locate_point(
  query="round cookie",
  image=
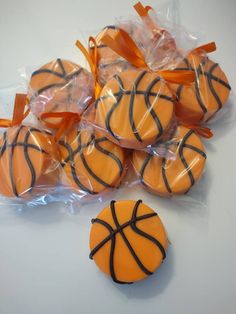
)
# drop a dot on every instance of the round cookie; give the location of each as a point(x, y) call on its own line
point(128, 241)
point(29, 162)
point(91, 162)
point(60, 86)
point(166, 177)
point(135, 109)
point(201, 100)
point(109, 62)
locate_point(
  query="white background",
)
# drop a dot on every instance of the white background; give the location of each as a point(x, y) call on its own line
point(44, 265)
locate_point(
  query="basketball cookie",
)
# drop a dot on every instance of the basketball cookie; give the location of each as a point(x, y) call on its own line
point(166, 176)
point(60, 86)
point(29, 162)
point(110, 63)
point(91, 162)
point(128, 241)
point(135, 109)
point(200, 101)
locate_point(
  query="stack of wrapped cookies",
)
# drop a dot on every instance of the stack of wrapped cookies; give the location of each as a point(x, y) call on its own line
point(144, 105)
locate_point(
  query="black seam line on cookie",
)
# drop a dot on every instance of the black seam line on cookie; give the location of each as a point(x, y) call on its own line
point(131, 105)
point(43, 89)
point(214, 93)
point(144, 165)
point(114, 106)
point(28, 160)
point(150, 109)
point(129, 246)
point(90, 171)
point(14, 189)
point(112, 251)
point(163, 172)
point(183, 160)
point(69, 150)
point(197, 90)
point(59, 62)
point(178, 92)
point(3, 147)
point(189, 67)
point(215, 78)
point(72, 153)
point(107, 65)
point(35, 147)
point(111, 155)
point(144, 234)
point(196, 149)
point(126, 224)
point(42, 71)
point(87, 167)
point(70, 76)
point(79, 184)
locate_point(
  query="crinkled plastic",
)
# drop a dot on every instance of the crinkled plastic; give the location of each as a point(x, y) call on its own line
point(160, 39)
point(60, 86)
point(207, 95)
point(92, 165)
point(141, 130)
point(135, 109)
point(167, 177)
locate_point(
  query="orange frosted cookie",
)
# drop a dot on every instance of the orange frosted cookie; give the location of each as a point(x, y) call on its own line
point(91, 162)
point(207, 95)
point(135, 109)
point(128, 241)
point(28, 162)
point(166, 176)
point(109, 62)
point(59, 86)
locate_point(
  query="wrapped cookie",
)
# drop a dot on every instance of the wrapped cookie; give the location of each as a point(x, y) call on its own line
point(60, 86)
point(91, 163)
point(208, 94)
point(172, 176)
point(29, 160)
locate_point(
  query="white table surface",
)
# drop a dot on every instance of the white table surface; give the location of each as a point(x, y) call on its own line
point(44, 264)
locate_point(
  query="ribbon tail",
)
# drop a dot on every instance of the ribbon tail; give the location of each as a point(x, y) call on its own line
point(207, 48)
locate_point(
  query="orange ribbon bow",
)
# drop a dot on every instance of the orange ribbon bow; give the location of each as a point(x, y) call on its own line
point(19, 113)
point(124, 46)
point(66, 122)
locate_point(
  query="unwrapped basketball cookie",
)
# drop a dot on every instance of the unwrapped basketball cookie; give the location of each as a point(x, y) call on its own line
point(135, 109)
point(167, 177)
point(128, 241)
point(29, 162)
point(91, 163)
point(60, 86)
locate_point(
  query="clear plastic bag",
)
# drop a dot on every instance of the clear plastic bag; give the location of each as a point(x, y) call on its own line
point(156, 34)
point(60, 86)
point(166, 176)
point(206, 96)
point(92, 165)
point(29, 160)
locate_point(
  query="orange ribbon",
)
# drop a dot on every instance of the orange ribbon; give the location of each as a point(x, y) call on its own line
point(68, 120)
point(143, 13)
point(207, 48)
point(200, 130)
point(92, 58)
point(19, 113)
point(124, 46)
